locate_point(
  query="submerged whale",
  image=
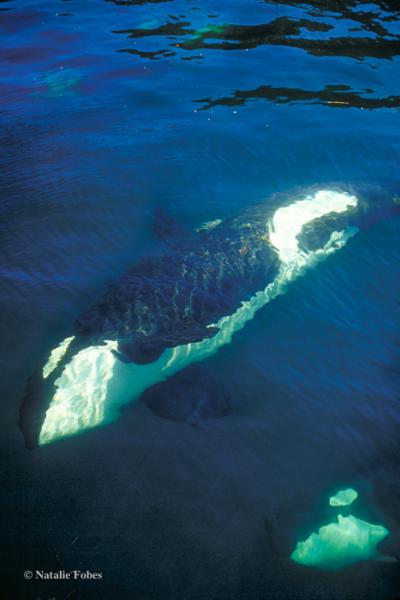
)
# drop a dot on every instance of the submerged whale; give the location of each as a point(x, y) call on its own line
point(179, 307)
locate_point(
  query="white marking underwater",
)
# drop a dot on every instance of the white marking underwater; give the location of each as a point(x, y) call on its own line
point(344, 541)
point(288, 221)
point(95, 384)
point(208, 225)
point(341, 544)
point(56, 355)
point(343, 497)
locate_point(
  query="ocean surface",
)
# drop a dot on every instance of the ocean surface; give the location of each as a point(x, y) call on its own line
point(110, 110)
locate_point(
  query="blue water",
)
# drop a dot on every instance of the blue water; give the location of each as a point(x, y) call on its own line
point(110, 109)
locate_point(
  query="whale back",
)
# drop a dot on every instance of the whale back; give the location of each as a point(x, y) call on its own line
point(175, 297)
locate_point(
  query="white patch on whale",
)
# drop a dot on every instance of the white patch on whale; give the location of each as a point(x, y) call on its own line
point(288, 221)
point(95, 384)
point(56, 355)
point(208, 225)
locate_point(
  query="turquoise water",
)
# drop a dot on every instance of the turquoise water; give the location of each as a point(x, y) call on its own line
point(111, 109)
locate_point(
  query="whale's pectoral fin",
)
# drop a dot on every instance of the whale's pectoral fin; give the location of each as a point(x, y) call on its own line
point(190, 396)
point(167, 229)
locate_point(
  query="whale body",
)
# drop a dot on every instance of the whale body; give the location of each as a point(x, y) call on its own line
point(171, 310)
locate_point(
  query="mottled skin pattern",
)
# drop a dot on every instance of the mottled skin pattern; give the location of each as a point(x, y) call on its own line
point(170, 300)
point(167, 300)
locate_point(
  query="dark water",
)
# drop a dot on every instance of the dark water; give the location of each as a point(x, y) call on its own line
point(110, 109)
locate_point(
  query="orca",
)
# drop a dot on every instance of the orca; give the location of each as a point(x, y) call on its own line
point(180, 306)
